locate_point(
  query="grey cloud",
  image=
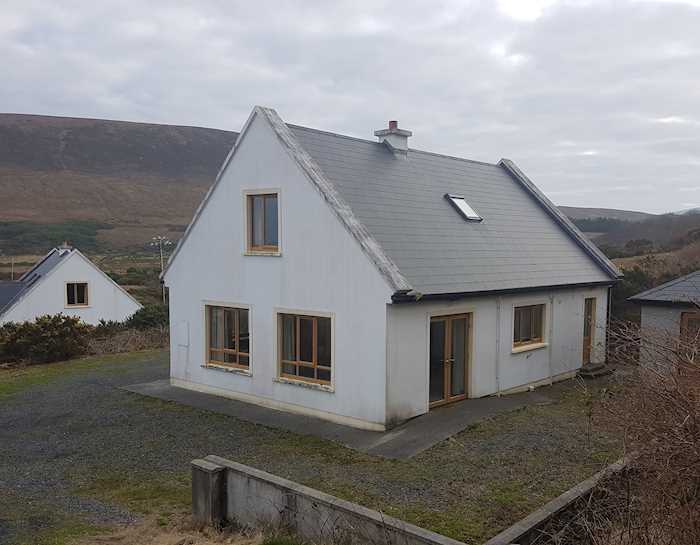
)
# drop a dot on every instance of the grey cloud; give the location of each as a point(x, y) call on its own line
point(465, 77)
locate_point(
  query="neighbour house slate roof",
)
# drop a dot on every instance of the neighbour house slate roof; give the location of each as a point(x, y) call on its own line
point(396, 208)
point(684, 290)
point(11, 291)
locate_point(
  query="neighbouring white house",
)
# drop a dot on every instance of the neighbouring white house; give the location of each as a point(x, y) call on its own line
point(669, 312)
point(66, 282)
point(366, 282)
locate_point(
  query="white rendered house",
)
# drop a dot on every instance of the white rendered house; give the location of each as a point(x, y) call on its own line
point(66, 282)
point(365, 282)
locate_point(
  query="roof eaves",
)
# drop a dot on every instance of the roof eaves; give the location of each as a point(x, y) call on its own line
point(566, 224)
point(644, 295)
point(313, 171)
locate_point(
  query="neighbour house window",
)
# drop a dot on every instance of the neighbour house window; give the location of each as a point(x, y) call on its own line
point(305, 348)
point(528, 325)
point(229, 336)
point(263, 233)
point(76, 294)
point(690, 326)
point(463, 207)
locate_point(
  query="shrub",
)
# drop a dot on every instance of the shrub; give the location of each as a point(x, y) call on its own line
point(148, 317)
point(46, 339)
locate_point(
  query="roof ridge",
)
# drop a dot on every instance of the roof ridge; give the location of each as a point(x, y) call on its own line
point(665, 285)
point(366, 140)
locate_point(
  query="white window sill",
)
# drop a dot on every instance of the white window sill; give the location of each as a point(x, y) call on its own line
point(77, 306)
point(311, 385)
point(528, 347)
point(267, 254)
point(225, 369)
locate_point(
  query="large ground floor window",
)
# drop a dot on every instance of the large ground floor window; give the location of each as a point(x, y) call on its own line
point(305, 347)
point(228, 336)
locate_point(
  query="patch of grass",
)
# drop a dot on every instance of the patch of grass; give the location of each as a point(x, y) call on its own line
point(282, 540)
point(158, 494)
point(18, 379)
point(34, 523)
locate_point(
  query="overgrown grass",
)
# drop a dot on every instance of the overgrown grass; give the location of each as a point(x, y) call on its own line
point(147, 494)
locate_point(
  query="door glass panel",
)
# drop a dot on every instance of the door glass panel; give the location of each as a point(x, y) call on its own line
point(459, 357)
point(437, 360)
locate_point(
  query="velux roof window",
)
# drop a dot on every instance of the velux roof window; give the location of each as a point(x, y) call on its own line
point(463, 207)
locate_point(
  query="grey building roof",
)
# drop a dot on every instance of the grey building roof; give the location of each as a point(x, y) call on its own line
point(12, 291)
point(683, 290)
point(395, 207)
point(522, 241)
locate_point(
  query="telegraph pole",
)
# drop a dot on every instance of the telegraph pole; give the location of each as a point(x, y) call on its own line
point(161, 242)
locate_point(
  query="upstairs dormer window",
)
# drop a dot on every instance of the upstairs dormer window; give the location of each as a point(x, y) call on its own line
point(263, 223)
point(463, 207)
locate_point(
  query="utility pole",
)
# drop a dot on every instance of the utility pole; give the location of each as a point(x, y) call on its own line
point(160, 242)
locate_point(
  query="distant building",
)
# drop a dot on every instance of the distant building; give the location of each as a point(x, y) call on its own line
point(669, 311)
point(66, 282)
point(366, 282)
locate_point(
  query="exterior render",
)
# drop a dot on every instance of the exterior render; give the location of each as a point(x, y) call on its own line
point(366, 282)
point(66, 282)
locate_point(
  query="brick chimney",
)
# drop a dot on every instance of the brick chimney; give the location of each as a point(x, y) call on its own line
point(394, 138)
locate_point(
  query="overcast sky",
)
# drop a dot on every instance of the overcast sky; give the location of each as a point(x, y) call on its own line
point(598, 101)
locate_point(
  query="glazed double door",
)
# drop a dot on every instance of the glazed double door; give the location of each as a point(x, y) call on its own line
point(449, 358)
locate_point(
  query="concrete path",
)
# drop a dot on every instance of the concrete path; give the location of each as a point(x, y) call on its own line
point(404, 441)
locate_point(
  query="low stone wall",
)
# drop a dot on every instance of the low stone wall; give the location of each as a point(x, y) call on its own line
point(223, 490)
point(226, 490)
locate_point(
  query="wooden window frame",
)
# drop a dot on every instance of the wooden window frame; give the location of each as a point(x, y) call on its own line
point(534, 340)
point(686, 316)
point(207, 344)
point(260, 249)
point(299, 362)
point(75, 284)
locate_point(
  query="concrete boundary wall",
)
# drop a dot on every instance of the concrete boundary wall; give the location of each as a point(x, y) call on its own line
point(223, 490)
point(529, 528)
point(226, 490)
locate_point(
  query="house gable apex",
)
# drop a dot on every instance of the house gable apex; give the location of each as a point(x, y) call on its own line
point(314, 174)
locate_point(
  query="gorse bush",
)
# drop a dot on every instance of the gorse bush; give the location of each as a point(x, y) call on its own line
point(59, 337)
point(46, 339)
point(149, 316)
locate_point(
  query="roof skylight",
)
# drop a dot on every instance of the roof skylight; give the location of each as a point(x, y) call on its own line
point(463, 207)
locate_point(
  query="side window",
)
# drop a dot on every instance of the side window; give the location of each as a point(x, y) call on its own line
point(528, 325)
point(228, 336)
point(77, 294)
point(263, 228)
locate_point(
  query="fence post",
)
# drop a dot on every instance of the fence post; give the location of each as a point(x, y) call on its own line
point(208, 493)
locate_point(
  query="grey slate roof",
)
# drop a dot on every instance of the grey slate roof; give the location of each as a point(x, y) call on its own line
point(12, 291)
point(518, 245)
point(685, 289)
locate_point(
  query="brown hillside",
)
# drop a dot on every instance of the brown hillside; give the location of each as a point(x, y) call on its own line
point(141, 178)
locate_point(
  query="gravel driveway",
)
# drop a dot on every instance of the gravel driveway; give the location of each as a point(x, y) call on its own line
point(73, 444)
